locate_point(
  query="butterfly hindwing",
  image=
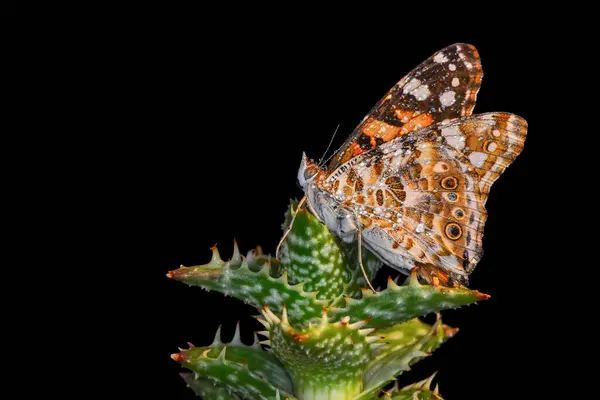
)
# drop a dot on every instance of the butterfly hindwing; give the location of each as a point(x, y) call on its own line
point(490, 141)
point(418, 204)
point(443, 87)
point(421, 197)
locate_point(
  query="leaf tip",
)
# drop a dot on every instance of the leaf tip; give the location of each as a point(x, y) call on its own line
point(449, 331)
point(482, 296)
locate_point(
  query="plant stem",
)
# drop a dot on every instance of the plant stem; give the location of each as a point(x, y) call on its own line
point(339, 391)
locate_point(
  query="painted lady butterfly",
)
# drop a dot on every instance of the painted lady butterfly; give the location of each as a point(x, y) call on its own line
point(412, 180)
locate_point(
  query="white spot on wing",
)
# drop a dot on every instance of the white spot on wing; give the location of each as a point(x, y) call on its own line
point(421, 93)
point(496, 132)
point(440, 167)
point(492, 146)
point(440, 58)
point(454, 137)
point(448, 98)
point(452, 67)
point(410, 86)
point(477, 158)
point(455, 82)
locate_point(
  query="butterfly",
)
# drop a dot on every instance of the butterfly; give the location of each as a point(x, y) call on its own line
point(411, 181)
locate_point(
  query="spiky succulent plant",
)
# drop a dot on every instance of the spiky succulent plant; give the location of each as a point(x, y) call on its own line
point(327, 337)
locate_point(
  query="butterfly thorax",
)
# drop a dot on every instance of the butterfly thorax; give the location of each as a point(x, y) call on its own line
point(331, 209)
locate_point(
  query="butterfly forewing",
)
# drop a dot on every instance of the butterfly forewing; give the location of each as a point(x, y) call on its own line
point(443, 87)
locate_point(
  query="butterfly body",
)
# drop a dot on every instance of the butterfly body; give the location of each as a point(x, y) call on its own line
point(414, 176)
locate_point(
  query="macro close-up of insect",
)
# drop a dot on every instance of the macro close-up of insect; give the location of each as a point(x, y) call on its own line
point(412, 180)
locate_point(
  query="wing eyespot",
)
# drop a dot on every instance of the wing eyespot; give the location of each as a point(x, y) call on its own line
point(453, 231)
point(449, 182)
point(451, 196)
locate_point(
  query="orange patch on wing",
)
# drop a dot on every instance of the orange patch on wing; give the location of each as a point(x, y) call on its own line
point(420, 121)
point(356, 150)
point(365, 221)
point(403, 115)
point(379, 129)
point(385, 224)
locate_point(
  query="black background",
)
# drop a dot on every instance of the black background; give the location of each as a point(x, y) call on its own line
point(206, 130)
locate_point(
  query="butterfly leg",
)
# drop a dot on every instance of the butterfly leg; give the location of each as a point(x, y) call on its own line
point(289, 229)
point(314, 212)
point(362, 267)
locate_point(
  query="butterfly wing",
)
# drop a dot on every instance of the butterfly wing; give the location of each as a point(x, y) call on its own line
point(490, 141)
point(420, 198)
point(443, 87)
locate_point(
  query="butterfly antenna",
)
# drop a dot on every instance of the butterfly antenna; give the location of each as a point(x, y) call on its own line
point(289, 229)
point(362, 267)
point(329, 146)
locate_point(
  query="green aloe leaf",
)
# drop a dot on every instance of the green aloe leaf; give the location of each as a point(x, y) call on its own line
point(410, 332)
point(325, 359)
point(260, 362)
point(205, 388)
point(312, 254)
point(247, 371)
point(417, 391)
point(398, 304)
point(250, 281)
point(405, 344)
point(371, 263)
